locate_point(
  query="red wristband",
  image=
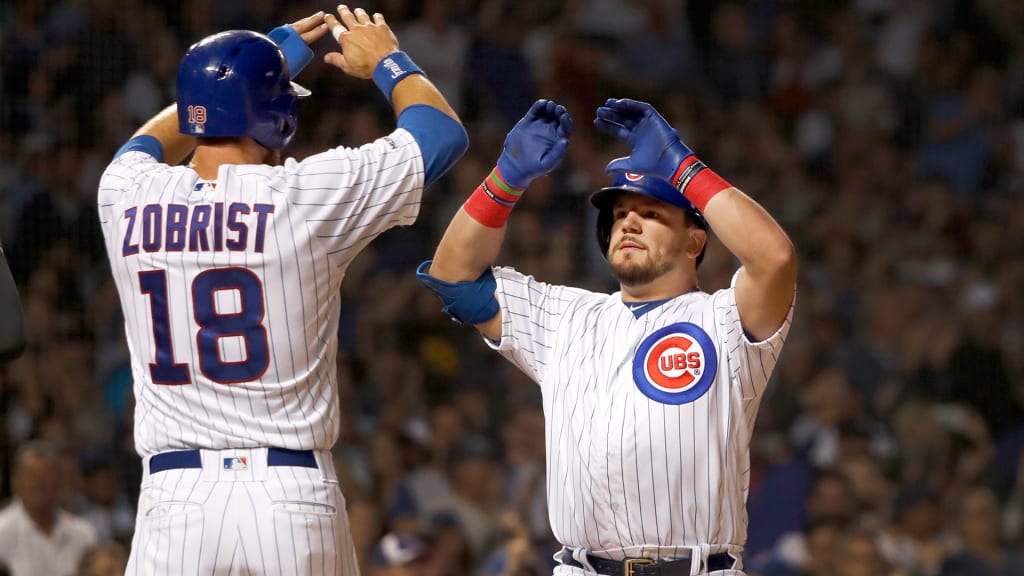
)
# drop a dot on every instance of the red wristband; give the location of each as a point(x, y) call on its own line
point(698, 182)
point(492, 201)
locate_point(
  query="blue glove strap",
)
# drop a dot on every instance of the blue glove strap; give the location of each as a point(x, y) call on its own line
point(392, 69)
point(509, 173)
point(296, 51)
point(676, 154)
point(466, 302)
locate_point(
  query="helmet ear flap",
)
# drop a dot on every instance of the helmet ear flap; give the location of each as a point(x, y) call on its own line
point(604, 230)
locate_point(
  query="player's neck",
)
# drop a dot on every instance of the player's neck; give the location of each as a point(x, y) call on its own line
point(664, 287)
point(212, 153)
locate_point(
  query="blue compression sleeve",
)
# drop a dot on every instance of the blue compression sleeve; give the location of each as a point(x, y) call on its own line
point(144, 143)
point(441, 138)
point(296, 51)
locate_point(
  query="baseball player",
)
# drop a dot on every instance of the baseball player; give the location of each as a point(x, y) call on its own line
point(228, 271)
point(12, 327)
point(649, 393)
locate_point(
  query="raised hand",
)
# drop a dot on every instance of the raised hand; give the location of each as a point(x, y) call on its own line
point(536, 144)
point(657, 149)
point(311, 28)
point(364, 42)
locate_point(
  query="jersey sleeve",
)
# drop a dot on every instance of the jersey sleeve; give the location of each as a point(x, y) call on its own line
point(120, 175)
point(348, 196)
point(751, 363)
point(531, 312)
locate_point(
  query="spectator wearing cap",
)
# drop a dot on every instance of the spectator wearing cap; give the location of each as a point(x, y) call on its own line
point(400, 554)
point(982, 549)
point(103, 503)
point(424, 490)
point(914, 541)
point(36, 537)
point(831, 502)
point(449, 547)
point(476, 493)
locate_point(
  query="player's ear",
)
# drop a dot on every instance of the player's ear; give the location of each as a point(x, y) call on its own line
point(696, 238)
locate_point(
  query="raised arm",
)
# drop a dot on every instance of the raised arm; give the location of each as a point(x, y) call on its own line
point(460, 271)
point(12, 325)
point(767, 280)
point(369, 49)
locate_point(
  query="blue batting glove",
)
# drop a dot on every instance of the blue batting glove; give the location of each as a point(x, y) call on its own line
point(536, 144)
point(657, 149)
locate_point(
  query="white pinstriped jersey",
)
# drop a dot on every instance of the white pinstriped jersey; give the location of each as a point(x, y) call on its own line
point(648, 415)
point(230, 289)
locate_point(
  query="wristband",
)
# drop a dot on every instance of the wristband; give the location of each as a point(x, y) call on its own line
point(391, 69)
point(697, 182)
point(492, 201)
point(296, 51)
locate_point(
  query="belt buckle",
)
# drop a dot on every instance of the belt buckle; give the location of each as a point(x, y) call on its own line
point(629, 564)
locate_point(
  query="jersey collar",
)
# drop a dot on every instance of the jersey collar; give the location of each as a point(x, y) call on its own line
point(640, 308)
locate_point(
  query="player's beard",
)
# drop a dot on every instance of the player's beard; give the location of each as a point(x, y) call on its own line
point(645, 267)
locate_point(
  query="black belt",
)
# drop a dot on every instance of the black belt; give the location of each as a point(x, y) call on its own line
point(192, 459)
point(648, 567)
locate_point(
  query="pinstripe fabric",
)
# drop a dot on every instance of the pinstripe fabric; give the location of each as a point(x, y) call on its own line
point(629, 476)
point(277, 521)
point(325, 210)
point(278, 241)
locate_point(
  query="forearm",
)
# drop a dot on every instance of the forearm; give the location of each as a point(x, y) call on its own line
point(418, 89)
point(751, 234)
point(765, 284)
point(466, 250)
point(164, 127)
point(12, 323)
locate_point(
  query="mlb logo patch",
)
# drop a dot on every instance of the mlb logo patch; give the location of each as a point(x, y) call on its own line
point(236, 463)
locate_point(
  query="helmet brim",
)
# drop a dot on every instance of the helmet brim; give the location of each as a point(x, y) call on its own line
point(301, 91)
point(604, 199)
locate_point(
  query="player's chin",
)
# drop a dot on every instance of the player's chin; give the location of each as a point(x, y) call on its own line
point(632, 272)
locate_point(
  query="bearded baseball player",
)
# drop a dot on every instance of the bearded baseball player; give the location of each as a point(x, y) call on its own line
point(650, 393)
point(228, 271)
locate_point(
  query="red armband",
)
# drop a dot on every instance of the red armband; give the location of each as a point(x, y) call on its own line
point(698, 182)
point(492, 201)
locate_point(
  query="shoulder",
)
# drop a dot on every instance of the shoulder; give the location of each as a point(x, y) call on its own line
point(513, 281)
point(129, 168)
point(79, 527)
point(9, 516)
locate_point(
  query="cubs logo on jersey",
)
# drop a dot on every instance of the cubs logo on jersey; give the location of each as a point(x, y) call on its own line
point(676, 364)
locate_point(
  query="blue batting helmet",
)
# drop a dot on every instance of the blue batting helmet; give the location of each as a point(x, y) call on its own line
point(604, 201)
point(236, 83)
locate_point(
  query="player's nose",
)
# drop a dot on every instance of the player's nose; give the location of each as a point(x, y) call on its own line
point(630, 222)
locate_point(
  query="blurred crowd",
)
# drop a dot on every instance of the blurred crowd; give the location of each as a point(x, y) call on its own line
point(886, 136)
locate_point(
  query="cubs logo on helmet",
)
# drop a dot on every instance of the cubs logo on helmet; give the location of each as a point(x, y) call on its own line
point(676, 364)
